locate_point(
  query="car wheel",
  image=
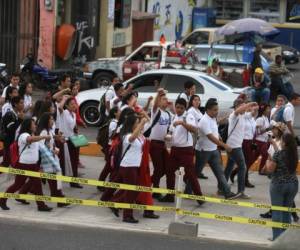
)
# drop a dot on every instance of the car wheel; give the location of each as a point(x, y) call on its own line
point(89, 112)
point(102, 79)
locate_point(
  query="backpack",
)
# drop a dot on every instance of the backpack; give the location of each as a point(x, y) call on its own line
point(102, 136)
point(279, 116)
point(102, 110)
point(14, 153)
point(147, 133)
point(116, 151)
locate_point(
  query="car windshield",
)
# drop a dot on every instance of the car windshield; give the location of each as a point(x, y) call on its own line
point(224, 86)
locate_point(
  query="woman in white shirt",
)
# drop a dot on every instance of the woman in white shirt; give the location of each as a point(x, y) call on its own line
point(68, 128)
point(261, 137)
point(26, 92)
point(45, 128)
point(281, 101)
point(133, 141)
point(28, 160)
point(10, 93)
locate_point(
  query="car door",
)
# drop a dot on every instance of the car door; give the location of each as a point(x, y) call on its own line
point(174, 84)
point(146, 58)
point(146, 85)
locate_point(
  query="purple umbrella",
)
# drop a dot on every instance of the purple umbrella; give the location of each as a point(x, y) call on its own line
point(248, 25)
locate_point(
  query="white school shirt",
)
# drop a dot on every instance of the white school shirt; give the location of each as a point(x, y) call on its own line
point(109, 95)
point(111, 129)
point(30, 155)
point(196, 113)
point(160, 129)
point(44, 132)
point(67, 123)
point(236, 130)
point(250, 126)
point(207, 126)
point(289, 113)
point(133, 156)
point(27, 102)
point(185, 97)
point(181, 137)
point(264, 123)
point(113, 104)
point(6, 108)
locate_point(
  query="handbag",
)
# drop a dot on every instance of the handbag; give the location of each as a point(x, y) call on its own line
point(79, 141)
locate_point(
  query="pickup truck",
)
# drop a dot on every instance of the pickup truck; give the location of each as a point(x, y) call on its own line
point(210, 36)
point(150, 55)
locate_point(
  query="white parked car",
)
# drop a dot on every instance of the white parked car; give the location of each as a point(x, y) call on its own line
point(170, 79)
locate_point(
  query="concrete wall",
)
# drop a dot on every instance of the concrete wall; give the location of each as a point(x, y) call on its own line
point(46, 50)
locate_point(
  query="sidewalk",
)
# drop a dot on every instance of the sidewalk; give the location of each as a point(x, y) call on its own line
point(102, 217)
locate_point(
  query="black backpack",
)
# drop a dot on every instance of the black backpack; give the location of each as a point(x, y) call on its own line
point(102, 136)
point(102, 110)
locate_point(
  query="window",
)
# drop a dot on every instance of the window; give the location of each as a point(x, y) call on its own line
point(175, 84)
point(265, 9)
point(147, 54)
point(122, 13)
point(197, 38)
point(229, 9)
point(221, 85)
point(293, 11)
point(147, 83)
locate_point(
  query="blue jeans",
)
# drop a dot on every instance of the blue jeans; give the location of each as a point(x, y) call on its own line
point(260, 95)
point(213, 158)
point(237, 157)
point(282, 195)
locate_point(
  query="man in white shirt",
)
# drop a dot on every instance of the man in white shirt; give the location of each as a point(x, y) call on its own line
point(182, 152)
point(207, 147)
point(236, 134)
point(160, 124)
point(289, 112)
point(14, 82)
point(189, 90)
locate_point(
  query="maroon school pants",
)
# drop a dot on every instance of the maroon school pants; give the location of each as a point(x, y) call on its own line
point(262, 149)
point(160, 157)
point(107, 168)
point(127, 175)
point(35, 184)
point(183, 157)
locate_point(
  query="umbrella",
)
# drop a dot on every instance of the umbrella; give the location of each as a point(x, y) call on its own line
point(248, 25)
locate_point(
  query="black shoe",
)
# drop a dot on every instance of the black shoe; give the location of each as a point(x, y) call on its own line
point(4, 207)
point(156, 196)
point(231, 196)
point(23, 202)
point(202, 176)
point(115, 211)
point(75, 185)
point(295, 217)
point(101, 189)
point(267, 215)
point(60, 205)
point(130, 220)
point(249, 185)
point(200, 203)
point(167, 198)
point(45, 209)
point(150, 215)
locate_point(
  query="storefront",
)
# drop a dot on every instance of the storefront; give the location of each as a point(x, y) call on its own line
point(284, 14)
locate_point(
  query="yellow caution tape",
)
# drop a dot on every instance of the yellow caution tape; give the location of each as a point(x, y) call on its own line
point(107, 204)
point(236, 219)
point(92, 182)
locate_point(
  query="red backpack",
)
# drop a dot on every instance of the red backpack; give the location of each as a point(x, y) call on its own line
point(14, 153)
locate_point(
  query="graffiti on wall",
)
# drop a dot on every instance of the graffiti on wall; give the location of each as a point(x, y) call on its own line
point(85, 40)
point(174, 17)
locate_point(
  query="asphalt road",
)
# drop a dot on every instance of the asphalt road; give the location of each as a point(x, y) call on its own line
point(31, 236)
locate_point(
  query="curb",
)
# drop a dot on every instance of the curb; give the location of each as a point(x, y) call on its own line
point(93, 149)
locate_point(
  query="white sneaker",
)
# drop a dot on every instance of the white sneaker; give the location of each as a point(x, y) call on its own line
point(244, 196)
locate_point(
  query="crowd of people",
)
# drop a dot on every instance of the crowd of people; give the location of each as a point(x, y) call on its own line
point(172, 134)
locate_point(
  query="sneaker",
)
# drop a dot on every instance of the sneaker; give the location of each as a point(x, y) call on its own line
point(232, 196)
point(245, 196)
point(130, 220)
point(267, 215)
point(156, 196)
point(167, 198)
point(249, 185)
